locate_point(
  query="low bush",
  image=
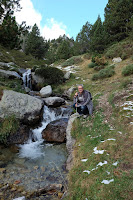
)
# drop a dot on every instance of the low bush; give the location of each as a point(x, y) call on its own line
point(125, 83)
point(71, 61)
point(104, 73)
point(100, 61)
point(121, 49)
point(92, 65)
point(8, 126)
point(51, 75)
point(128, 70)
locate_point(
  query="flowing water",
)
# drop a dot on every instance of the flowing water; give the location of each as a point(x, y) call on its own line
point(27, 79)
point(38, 163)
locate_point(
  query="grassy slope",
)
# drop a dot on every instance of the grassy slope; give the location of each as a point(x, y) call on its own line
point(106, 94)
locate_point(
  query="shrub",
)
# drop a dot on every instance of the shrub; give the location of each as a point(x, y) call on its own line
point(104, 73)
point(125, 83)
point(8, 126)
point(92, 65)
point(51, 75)
point(121, 49)
point(98, 68)
point(73, 60)
point(128, 70)
point(100, 61)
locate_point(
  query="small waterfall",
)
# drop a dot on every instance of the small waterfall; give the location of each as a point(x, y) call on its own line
point(27, 79)
point(32, 149)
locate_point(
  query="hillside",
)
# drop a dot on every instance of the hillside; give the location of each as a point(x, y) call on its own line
point(103, 149)
point(110, 130)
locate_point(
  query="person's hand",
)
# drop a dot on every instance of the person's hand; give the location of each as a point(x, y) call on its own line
point(76, 94)
point(76, 105)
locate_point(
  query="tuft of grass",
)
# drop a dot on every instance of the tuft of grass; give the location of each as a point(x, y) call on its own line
point(128, 70)
point(8, 126)
point(91, 65)
point(72, 61)
point(104, 73)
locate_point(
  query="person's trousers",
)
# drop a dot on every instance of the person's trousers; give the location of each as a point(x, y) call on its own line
point(81, 109)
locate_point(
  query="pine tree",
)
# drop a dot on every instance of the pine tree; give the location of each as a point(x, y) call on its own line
point(117, 18)
point(9, 33)
point(35, 44)
point(64, 50)
point(82, 44)
point(98, 36)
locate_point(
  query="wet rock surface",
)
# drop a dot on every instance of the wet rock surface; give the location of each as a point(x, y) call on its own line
point(56, 131)
point(54, 101)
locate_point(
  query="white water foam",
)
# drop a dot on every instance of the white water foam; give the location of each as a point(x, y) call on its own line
point(33, 148)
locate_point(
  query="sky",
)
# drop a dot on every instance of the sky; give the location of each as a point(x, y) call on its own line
point(59, 17)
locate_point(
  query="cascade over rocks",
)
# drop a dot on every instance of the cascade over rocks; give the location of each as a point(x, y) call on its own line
point(55, 131)
point(46, 91)
point(54, 101)
point(9, 74)
point(25, 107)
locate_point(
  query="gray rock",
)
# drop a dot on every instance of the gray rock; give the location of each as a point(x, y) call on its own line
point(70, 141)
point(21, 71)
point(117, 60)
point(54, 101)
point(20, 198)
point(55, 131)
point(37, 79)
point(26, 108)
point(9, 74)
point(69, 91)
point(46, 91)
point(67, 75)
point(21, 136)
point(10, 65)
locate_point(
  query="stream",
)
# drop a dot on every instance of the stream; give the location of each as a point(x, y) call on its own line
point(37, 164)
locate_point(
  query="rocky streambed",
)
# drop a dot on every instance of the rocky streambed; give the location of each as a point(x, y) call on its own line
point(36, 165)
point(33, 165)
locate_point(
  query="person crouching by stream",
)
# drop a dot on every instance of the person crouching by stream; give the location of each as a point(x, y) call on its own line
point(83, 102)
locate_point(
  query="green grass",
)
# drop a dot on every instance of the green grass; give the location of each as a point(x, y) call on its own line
point(128, 70)
point(19, 58)
point(8, 126)
point(11, 84)
point(89, 186)
point(72, 61)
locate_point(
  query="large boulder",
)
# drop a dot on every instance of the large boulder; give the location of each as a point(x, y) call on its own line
point(54, 101)
point(9, 74)
point(55, 131)
point(46, 91)
point(25, 107)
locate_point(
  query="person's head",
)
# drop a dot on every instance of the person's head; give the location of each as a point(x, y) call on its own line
point(80, 88)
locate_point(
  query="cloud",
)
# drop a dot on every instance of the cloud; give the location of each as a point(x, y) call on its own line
point(28, 14)
point(51, 30)
point(54, 29)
